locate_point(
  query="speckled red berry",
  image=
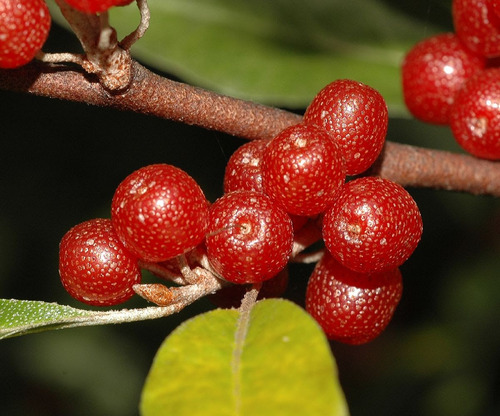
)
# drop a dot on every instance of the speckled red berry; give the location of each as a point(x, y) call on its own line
point(96, 6)
point(159, 212)
point(475, 115)
point(356, 116)
point(24, 28)
point(353, 308)
point(432, 73)
point(302, 169)
point(374, 225)
point(243, 170)
point(94, 266)
point(250, 238)
point(478, 26)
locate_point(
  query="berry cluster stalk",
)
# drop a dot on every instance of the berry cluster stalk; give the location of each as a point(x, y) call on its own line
point(154, 95)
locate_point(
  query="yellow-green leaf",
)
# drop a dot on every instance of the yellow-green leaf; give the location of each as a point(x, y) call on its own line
point(276, 362)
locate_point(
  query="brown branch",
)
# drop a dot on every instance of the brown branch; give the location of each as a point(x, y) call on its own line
point(154, 95)
point(419, 167)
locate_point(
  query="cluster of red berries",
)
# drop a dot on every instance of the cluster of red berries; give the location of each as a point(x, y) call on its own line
point(25, 26)
point(273, 189)
point(454, 79)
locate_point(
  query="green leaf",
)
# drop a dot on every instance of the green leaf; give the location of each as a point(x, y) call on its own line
point(21, 317)
point(275, 362)
point(279, 52)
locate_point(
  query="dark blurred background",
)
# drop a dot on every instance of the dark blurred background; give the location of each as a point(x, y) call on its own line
point(60, 163)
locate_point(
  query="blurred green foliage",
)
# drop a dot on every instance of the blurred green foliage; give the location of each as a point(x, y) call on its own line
point(278, 52)
point(60, 164)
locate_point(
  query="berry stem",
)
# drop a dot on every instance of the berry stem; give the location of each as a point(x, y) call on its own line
point(180, 296)
point(308, 258)
point(61, 57)
point(127, 42)
point(187, 273)
point(151, 94)
point(104, 56)
point(162, 272)
point(305, 237)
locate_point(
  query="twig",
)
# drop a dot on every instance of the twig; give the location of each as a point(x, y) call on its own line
point(152, 94)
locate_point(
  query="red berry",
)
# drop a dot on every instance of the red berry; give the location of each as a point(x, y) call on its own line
point(94, 266)
point(356, 116)
point(475, 116)
point(374, 225)
point(243, 170)
point(159, 212)
point(250, 238)
point(302, 169)
point(478, 26)
point(96, 6)
point(433, 71)
point(351, 307)
point(24, 28)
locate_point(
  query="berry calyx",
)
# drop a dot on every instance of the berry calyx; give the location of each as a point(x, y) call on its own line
point(159, 212)
point(24, 28)
point(302, 169)
point(356, 116)
point(249, 238)
point(478, 26)
point(374, 225)
point(96, 6)
point(432, 73)
point(353, 308)
point(94, 266)
point(475, 115)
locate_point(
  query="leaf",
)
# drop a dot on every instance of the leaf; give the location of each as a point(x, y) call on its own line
point(279, 52)
point(282, 365)
point(21, 317)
